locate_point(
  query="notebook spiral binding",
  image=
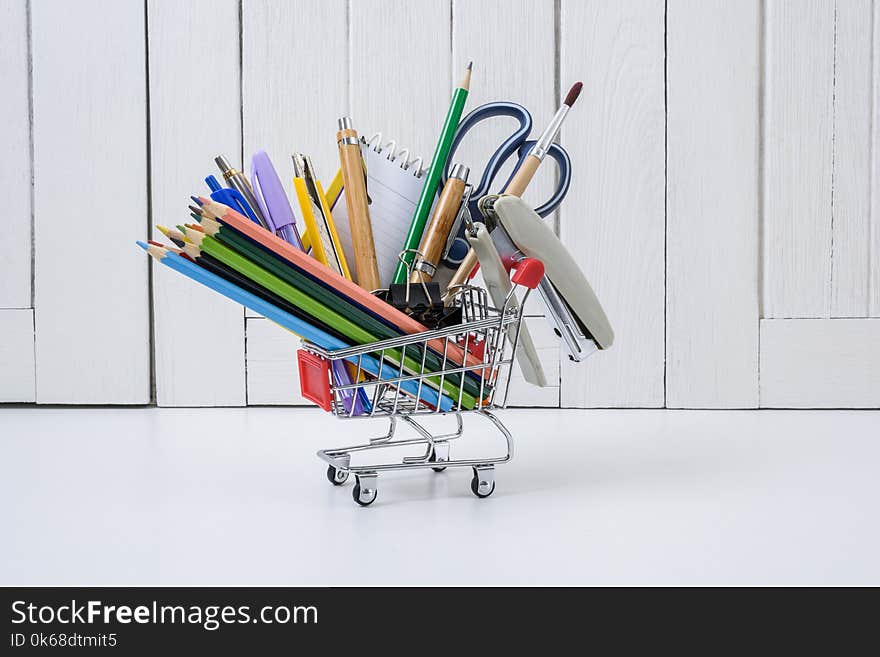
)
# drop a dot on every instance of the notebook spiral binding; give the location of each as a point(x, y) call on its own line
point(375, 142)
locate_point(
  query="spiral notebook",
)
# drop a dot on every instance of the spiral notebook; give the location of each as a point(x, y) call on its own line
point(394, 183)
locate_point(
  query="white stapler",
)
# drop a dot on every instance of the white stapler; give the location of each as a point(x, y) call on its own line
point(572, 306)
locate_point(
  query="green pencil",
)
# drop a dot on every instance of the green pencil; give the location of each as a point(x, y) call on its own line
point(432, 180)
point(316, 309)
point(245, 247)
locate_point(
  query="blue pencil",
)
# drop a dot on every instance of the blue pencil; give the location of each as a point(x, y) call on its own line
point(288, 321)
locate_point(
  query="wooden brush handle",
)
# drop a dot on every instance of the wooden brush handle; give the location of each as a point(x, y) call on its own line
point(438, 230)
point(523, 176)
point(367, 270)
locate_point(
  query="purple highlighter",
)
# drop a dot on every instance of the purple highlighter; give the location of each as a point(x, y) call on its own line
point(272, 199)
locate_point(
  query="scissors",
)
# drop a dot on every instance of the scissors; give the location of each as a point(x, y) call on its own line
point(518, 143)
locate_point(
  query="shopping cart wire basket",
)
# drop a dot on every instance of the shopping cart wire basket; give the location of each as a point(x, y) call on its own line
point(423, 374)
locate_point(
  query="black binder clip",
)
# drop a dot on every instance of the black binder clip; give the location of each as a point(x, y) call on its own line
point(422, 301)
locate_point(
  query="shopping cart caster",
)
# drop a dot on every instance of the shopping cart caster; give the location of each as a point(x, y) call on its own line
point(439, 454)
point(364, 492)
point(483, 483)
point(336, 476)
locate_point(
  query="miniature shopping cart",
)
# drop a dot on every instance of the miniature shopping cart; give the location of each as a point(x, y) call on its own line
point(464, 368)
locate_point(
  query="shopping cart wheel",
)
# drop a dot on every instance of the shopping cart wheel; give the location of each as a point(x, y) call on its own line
point(483, 483)
point(433, 459)
point(364, 492)
point(336, 476)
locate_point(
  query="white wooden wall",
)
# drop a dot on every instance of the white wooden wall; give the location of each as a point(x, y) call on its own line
point(725, 200)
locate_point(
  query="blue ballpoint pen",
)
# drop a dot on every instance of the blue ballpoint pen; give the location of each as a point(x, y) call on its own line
point(232, 198)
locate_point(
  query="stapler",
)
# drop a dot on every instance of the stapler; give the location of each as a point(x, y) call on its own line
point(572, 306)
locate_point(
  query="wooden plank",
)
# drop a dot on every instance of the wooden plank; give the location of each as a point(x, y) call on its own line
point(289, 49)
point(820, 363)
point(17, 355)
point(504, 70)
point(90, 179)
point(401, 79)
point(281, 113)
point(15, 165)
point(612, 220)
point(798, 127)
point(184, 139)
point(272, 374)
point(294, 82)
point(850, 253)
point(874, 285)
point(712, 211)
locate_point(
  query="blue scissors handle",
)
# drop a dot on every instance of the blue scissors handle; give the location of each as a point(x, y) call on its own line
point(516, 143)
point(503, 152)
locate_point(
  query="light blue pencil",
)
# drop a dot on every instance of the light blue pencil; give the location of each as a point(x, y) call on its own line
point(288, 321)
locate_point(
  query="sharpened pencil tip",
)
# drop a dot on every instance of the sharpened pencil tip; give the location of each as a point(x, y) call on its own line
point(573, 93)
point(466, 80)
point(143, 245)
point(196, 200)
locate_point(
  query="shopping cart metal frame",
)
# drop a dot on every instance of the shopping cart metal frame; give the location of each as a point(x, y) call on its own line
point(493, 331)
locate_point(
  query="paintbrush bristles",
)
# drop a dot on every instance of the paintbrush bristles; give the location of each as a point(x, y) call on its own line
point(573, 93)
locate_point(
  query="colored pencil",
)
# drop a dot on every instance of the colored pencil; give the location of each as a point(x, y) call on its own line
point(175, 236)
point(332, 281)
point(316, 309)
point(292, 323)
point(344, 375)
point(432, 178)
point(267, 260)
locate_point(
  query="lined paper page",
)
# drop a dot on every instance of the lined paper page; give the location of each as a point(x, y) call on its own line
point(394, 193)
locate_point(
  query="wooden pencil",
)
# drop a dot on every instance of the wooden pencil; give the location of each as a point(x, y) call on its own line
point(326, 315)
point(336, 283)
point(432, 177)
point(381, 329)
point(217, 267)
point(175, 236)
point(292, 323)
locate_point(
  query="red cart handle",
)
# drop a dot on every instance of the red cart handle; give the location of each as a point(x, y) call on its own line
point(529, 272)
